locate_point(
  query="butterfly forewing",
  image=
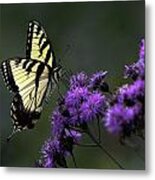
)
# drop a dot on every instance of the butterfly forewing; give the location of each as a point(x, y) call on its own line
point(38, 45)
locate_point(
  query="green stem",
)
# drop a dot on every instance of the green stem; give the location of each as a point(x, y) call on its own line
point(104, 150)
point(86, 130)
point(74, 161)
point(99, 130)
point(87, 145)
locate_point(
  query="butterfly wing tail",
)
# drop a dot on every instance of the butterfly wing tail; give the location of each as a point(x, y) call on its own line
point(22, 119)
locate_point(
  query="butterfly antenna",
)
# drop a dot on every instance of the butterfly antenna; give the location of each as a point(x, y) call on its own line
point(68, 71)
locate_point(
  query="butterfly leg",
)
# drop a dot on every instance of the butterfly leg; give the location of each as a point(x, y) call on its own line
point(59, 93)
point(58, 87)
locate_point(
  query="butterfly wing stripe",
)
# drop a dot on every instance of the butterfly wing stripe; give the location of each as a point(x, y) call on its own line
point(41, 39)
point(48, 55)
point(44, 46)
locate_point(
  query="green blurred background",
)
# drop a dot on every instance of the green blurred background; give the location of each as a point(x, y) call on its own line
point(98, 36)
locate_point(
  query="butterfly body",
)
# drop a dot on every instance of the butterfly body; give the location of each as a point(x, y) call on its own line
point(31, 79)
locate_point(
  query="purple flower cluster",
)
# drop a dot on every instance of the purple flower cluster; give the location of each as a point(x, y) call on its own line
point(122, 112)
point(126, 115)
point(80, 105)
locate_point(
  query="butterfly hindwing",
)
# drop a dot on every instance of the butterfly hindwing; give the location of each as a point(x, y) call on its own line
point(38, 44)
point(30, 81)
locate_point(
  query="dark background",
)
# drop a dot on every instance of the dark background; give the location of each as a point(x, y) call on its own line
point(98, 36)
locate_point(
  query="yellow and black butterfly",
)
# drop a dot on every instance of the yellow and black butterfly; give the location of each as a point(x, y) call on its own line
point(31, 79)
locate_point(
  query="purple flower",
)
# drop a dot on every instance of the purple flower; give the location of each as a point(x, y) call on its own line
point(127, 111)
point(97, 81)
point(130, 94)
point(137, 69)
point(69, 139)
point(76, 96)
point(74, 135)
point(54, 151)
point(142, 49)
point(74, 119)
point(52, 154)
point(78, 80)
point(93, 107)
point(58, 123)
point(83, 105)
point(78, 106)
point(119, 116)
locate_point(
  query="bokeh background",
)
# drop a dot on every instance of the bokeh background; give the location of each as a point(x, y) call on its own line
point(88, 36)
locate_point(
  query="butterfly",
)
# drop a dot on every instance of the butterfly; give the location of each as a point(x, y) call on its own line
point(31, 79)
